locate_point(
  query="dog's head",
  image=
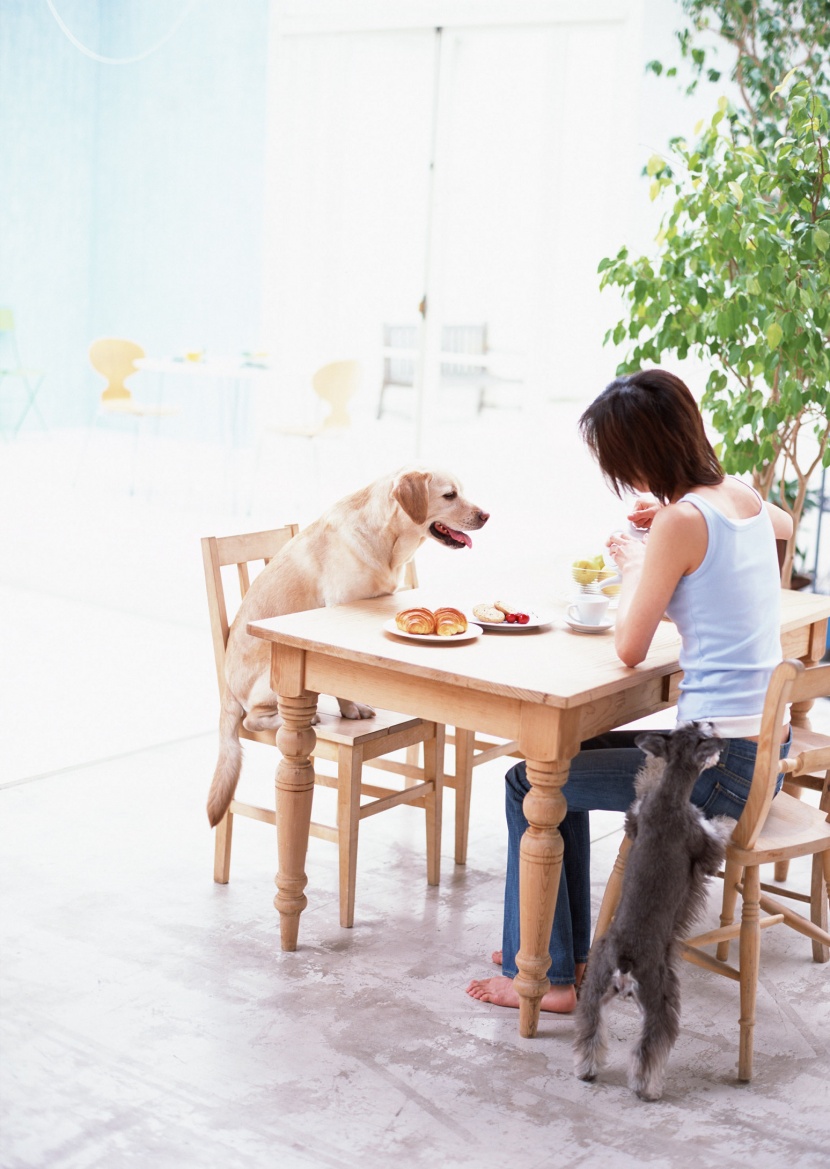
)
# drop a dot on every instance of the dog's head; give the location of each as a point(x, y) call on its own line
point(692, 747)
point(432, 499)
point(693, 741)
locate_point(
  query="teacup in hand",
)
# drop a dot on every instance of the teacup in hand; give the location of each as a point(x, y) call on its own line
point(589, 609)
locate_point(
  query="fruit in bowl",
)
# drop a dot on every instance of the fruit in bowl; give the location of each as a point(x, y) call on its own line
point(594, 571)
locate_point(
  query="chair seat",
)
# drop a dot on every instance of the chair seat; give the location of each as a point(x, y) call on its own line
point(804, 740)
point(137, 409)
point(348, 732)
point(792, 828)
point(21, 371)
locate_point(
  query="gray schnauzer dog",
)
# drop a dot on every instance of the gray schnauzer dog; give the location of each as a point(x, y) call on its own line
point(674, 852)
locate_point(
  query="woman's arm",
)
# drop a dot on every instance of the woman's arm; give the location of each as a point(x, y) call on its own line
point(650, 573)
point(782, 524)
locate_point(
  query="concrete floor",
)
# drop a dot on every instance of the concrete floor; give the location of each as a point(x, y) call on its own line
point(148, 1015)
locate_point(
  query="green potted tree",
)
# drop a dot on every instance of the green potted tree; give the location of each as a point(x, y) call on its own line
point(740, 275)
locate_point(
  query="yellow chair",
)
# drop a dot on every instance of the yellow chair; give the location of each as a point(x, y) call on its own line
point(12, 370)
point(769, 830)
point(350, 744)
point(114, 358)
point(335, 384)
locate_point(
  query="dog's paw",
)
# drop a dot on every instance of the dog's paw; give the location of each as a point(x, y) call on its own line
point(349, 709)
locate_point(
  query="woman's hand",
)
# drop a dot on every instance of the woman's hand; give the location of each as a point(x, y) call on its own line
point(643, 513)
point(626, 552)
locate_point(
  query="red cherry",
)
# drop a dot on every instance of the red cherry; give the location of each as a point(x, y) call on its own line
point(511, 618)
point(522, 618)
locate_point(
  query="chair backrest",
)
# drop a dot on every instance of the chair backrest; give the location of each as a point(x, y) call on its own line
point(241, 552)
point(114, 358)
point(399, 370)
point(470, 339)
point(790, 682)
point(335, 384)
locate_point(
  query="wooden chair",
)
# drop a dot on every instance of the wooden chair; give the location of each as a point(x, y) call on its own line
point(470, 751)
point(348, 743)
point(769, 830)
point(400, 344)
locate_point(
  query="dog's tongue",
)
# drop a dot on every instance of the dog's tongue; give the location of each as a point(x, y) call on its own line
point(462, 536)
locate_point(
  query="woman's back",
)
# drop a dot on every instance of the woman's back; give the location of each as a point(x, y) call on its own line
point(727, 611)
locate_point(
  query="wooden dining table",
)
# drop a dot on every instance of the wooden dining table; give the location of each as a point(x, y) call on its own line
point(546, 687)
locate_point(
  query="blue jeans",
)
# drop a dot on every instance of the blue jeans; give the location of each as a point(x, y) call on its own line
point(602, 778)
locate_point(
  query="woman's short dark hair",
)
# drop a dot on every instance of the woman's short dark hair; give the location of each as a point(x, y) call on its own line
point(645, 430)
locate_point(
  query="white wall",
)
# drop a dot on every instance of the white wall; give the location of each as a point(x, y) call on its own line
point(536, 174)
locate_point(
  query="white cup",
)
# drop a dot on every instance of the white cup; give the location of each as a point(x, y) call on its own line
point(589, 609)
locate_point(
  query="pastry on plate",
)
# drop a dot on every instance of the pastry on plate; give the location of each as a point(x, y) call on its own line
point(449, 621)
point(415, 621)
point(503, 607)
point(488, 613)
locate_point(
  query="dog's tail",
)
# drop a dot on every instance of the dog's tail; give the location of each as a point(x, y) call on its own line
point(229, 763)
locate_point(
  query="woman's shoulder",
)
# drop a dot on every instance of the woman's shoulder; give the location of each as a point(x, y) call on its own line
point(682, 516)
point(681, 526)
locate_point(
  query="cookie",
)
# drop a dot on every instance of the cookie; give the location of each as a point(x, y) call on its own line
point(488, 613)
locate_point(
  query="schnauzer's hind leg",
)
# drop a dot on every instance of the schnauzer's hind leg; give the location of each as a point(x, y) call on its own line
point(591, 1038)
point(659, 999)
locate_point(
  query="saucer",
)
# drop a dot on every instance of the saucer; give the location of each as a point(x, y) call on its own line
point(578, 627)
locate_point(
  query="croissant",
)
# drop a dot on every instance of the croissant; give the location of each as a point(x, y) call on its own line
point(449, 621)
point(415, 621)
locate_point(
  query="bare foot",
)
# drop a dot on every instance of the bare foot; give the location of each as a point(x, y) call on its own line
point(580, 966)
point(500, 991)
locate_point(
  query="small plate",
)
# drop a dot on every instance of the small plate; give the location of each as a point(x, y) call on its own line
point(538, 618)
point(578, 627)
point(470, 634)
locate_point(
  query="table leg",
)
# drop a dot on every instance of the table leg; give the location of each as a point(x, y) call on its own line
point(294, 791)
point(540, 865)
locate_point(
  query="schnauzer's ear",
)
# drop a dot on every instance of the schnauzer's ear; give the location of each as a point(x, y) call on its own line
point(652, 744)
point(707, 752)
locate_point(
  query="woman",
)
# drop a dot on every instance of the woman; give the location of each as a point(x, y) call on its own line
point(710, 562)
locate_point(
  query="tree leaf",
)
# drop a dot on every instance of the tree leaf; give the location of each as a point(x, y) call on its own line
point(774, 335)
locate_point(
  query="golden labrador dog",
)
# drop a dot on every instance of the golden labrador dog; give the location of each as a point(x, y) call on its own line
point(355, 550)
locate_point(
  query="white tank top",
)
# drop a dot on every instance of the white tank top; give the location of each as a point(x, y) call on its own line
point(728, 615)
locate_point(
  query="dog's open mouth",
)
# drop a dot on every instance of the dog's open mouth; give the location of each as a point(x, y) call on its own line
point(450, 536)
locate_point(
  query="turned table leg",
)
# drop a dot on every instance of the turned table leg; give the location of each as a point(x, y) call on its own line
point(540, 865)
point(294, 791)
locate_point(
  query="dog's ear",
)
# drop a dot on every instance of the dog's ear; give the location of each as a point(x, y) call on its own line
point(707, 753)
point(708, 746)
point(412, 493)
point(657, 745)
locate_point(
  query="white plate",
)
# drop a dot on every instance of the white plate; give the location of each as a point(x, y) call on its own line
point(470, 634)
point(578, 627)
point(538, 618)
